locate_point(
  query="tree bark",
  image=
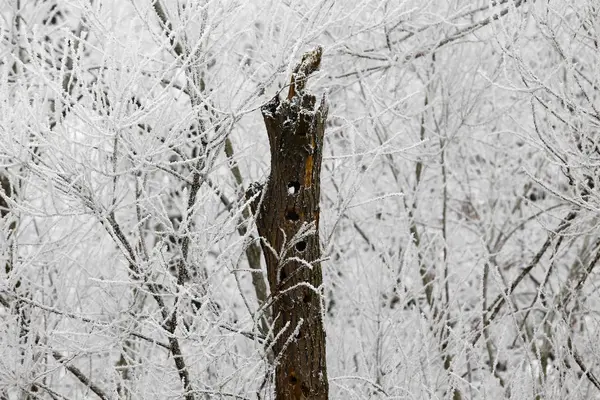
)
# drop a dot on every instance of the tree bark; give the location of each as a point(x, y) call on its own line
point(288, 223)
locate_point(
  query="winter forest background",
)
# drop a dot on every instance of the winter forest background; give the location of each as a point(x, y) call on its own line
point(459, 196)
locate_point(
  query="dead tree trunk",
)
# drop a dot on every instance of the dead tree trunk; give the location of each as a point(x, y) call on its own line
point(287, 217)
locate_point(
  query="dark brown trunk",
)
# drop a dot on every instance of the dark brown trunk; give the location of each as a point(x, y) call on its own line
point(288, 223)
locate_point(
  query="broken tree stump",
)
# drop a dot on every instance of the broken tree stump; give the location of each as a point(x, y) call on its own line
point(287, 218)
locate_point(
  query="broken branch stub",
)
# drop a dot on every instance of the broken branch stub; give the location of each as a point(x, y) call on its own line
point(288, 223)
point(311, 62)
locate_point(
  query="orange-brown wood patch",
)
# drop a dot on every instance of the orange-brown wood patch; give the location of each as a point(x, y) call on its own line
point(308, 171)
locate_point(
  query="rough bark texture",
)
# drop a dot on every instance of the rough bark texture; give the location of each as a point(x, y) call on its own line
point(288, 222)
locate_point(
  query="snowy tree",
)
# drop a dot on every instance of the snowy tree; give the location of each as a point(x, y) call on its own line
point(455, 227)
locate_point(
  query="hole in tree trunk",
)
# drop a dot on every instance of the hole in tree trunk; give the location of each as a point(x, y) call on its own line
point(306, 298)
point(292, 376)
point(301, 246)
point(293, 187)
point(292, 215)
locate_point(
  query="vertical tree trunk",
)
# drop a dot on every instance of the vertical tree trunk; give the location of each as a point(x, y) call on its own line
point(288, 223)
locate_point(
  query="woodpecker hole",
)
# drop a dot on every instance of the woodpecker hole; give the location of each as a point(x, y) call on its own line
point(301, 246)
point(292, 215)
point(293, 187)
point(306, 298)
point(293, 378)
